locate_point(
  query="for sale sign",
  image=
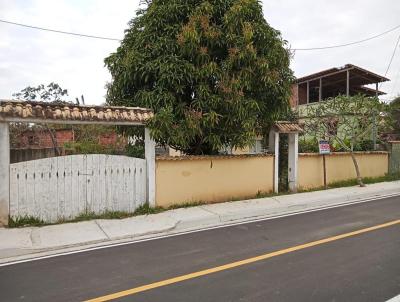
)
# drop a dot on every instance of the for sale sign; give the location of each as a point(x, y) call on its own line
point(324, 147)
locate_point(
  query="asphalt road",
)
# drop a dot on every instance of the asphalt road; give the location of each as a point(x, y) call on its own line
point(364, 267)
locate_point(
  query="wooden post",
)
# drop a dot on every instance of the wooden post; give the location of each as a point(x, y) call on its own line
point(348, 83)
point(150, 156)
point(4, 173)
point(320, 89)
point(308, 92)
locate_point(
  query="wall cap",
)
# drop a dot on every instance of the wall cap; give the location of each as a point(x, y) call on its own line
point(206, 157)
point(345, 153)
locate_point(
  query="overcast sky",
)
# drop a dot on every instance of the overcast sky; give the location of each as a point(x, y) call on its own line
point(31, 57)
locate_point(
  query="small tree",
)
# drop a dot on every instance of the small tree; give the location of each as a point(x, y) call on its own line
point(344, 120)
point(214, 72)
point(50, 93)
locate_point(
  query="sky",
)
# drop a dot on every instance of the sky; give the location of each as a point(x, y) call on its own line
point(30, 57)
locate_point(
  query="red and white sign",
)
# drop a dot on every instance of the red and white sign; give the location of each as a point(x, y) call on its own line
point(324, 147)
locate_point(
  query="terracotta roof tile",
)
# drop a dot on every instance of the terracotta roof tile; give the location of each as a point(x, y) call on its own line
point(42, 111)
point(287, 127)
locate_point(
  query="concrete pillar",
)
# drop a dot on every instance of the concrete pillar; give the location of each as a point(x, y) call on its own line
point(274, 148)
point(293, 161)
point(150, 156)
point(394, 157)
point(4, 173)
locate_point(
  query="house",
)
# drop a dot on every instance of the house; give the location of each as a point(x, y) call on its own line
point(42, 138)
point(347, 80)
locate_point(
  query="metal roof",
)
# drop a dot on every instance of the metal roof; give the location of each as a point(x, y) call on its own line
point(368, 76)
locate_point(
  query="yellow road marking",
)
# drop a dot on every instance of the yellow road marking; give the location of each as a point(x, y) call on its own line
point(224, 267)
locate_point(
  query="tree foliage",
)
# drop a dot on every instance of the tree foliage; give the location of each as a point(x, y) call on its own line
point(393, 114)
point(214, 72)
point(50, 93)
point(344, 120)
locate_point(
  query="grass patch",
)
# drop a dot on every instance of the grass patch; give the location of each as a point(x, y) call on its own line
point(353, 182)
point(25, 221)
point(186, 205)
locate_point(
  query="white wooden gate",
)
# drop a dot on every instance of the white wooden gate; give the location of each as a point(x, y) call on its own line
point(61, 188)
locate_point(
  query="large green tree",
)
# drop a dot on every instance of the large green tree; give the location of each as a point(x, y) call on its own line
point(215, 72)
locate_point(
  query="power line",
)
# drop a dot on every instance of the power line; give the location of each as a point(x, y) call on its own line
point(60, 31)
point(395, 82)
point(351, 43)
point(393, 54)
point(115, 39)
point(391, 58)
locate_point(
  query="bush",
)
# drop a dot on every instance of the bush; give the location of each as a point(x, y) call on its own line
point(308, 145)
point(90, 148)
point(134, 151)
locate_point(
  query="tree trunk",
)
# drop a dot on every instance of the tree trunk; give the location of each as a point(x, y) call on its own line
point(53, 140)
point(359, 180)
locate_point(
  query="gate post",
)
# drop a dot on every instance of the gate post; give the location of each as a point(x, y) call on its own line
point(150, 156)
point(293, 161)
point(394, 157)
point(4, 173)
point(274, 148)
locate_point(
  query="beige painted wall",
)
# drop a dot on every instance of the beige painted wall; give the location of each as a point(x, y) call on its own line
point(339, 166)
point(212, 179)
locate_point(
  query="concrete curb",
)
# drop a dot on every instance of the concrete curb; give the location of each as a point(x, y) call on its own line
point(28, 243)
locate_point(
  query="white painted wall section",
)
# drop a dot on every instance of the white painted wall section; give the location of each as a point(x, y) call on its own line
point(4, 172)
point(274, 148)
point(150, 156)
point(293, 161)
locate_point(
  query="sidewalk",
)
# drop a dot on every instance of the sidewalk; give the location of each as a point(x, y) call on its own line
point(30, 242)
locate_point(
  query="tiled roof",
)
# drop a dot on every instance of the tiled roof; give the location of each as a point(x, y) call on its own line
point(50, 112)
point(287, 127)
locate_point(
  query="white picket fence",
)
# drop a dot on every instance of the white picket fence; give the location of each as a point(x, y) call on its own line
point(58, 188)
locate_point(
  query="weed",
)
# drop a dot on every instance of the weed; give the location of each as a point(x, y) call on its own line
point(17, 222)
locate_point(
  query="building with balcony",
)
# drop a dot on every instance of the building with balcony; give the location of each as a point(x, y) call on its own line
point(347, 80)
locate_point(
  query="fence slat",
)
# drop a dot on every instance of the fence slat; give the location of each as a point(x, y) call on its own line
point(41, 187)
point(22, 176)
point(52, 198)
point(102, 184)
point(14, 190)
point(67, 175)
point(61, 186)
point(30, 188)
